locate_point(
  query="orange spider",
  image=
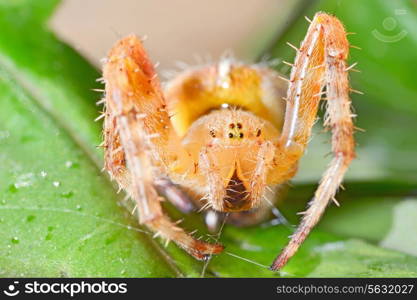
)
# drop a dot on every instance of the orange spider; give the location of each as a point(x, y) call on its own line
point(223, 135)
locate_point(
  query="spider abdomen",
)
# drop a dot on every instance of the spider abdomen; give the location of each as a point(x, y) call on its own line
point(197, 92)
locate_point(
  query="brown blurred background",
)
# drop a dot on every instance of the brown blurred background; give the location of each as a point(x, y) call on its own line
point(177, 30)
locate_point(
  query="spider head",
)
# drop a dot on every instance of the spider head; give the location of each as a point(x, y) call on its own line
point(232, 150)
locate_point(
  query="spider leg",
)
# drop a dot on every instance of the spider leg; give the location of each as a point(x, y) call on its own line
point(213, 220)
point(174, 194)
point(320, 60)
point(138, 126)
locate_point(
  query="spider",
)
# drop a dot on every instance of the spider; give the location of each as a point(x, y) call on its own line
point(221, 138)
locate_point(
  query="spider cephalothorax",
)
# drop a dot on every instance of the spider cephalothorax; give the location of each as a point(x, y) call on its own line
point(223, 134)
point(233, 151)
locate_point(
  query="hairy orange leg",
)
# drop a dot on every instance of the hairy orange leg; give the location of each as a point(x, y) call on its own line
point(321, 61)
point(179, 198)
point(139, 139)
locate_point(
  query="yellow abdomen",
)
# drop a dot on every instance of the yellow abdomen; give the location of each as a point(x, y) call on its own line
point(198, 91)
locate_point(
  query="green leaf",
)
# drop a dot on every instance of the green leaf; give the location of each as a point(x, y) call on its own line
point(345, 244)
point(60, 216)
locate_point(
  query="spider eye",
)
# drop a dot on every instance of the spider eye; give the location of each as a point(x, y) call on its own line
point(258, 133)
point(241, 135)
point(212, 133)
point(230, 135)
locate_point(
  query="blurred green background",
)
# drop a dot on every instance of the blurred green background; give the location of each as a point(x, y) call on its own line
point(60, 216)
